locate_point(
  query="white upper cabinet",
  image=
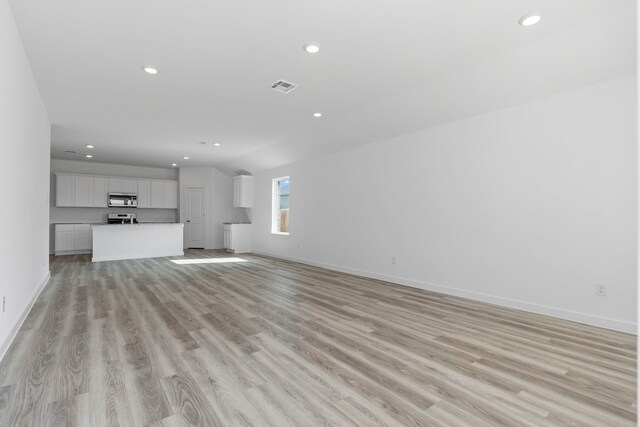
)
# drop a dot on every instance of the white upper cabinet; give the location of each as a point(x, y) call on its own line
point(65, 191)
point(144, 193)
point(242, 191)
point(123, 185)
point(100, 191)
point(83, 191)
point(93, 191)
point(129, 185)
point(170, 195)
point(116, 185)
point(157, 193)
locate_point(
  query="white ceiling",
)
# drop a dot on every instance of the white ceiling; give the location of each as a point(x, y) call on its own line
point(385, 68)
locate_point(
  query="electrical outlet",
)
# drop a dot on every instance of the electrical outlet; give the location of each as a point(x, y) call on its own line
point(601, 289)
point(394, 260)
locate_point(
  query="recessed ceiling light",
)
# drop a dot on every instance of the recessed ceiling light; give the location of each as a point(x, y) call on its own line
point(89, 146)
point(529, 20)
point(150, 70)
point(312, 47)
point(174, 164)
point(186, 157)
point(88, 156)
point(216, 144)
point(317, 114)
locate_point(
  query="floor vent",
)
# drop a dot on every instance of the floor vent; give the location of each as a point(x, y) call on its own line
point(283, 86)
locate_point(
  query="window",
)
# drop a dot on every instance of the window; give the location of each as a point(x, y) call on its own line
point(280, 214)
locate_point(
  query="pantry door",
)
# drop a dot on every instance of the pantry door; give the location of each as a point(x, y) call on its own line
point(194, 218)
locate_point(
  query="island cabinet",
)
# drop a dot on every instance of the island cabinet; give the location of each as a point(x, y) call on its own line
point(129, 241)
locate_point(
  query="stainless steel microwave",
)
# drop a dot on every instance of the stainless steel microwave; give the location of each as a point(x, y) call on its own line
point(123, 200)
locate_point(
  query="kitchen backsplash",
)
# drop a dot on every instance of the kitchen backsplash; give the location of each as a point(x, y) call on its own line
point(100, 214)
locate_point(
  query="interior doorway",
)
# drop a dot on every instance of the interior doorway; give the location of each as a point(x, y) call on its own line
point(195, 217)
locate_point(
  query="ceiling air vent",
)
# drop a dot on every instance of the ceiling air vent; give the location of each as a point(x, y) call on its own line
point(284, 87)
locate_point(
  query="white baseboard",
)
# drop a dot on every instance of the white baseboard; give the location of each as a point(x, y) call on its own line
point(589, 319)
point(12, 335)
point(78, 252)
point(138, 256)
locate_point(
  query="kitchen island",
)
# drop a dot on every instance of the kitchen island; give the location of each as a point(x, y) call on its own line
point(129, 241)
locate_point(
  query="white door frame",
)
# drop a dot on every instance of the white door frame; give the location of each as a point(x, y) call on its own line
point(187, 228)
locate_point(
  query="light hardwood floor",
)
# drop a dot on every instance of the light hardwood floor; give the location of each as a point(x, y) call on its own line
point(269, 342)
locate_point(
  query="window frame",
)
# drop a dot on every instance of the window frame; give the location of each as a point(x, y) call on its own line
point(275, 204)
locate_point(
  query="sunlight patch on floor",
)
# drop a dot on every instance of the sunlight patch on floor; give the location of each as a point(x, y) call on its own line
point(208, 260)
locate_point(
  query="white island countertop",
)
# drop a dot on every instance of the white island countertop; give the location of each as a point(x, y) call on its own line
point(130, 241)
point(137, 224)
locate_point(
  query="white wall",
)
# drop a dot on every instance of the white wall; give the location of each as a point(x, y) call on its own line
point(218, 188)
point(25, 138)
point(527, 206)
point(95, 168)
point(81, 215)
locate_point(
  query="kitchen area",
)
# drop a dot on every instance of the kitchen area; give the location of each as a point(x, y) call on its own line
point(126, 212)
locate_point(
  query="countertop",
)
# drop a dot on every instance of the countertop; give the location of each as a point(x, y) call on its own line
point(140, 224)
point(77, 222)
point(104, 222)
point(158, 222)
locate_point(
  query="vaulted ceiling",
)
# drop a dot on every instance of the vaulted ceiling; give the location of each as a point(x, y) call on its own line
point(385, 68)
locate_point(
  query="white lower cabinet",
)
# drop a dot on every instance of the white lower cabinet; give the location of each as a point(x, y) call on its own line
point(227, 238)
point(237, 238)
point(64, 238)
point(82, 240)
point(73, 239)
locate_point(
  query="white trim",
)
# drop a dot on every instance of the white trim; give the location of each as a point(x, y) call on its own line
point(205, 218)
point(589, 319)
point(275, 205)
point(78, 252)
point(139, 256)
point(12, 335)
